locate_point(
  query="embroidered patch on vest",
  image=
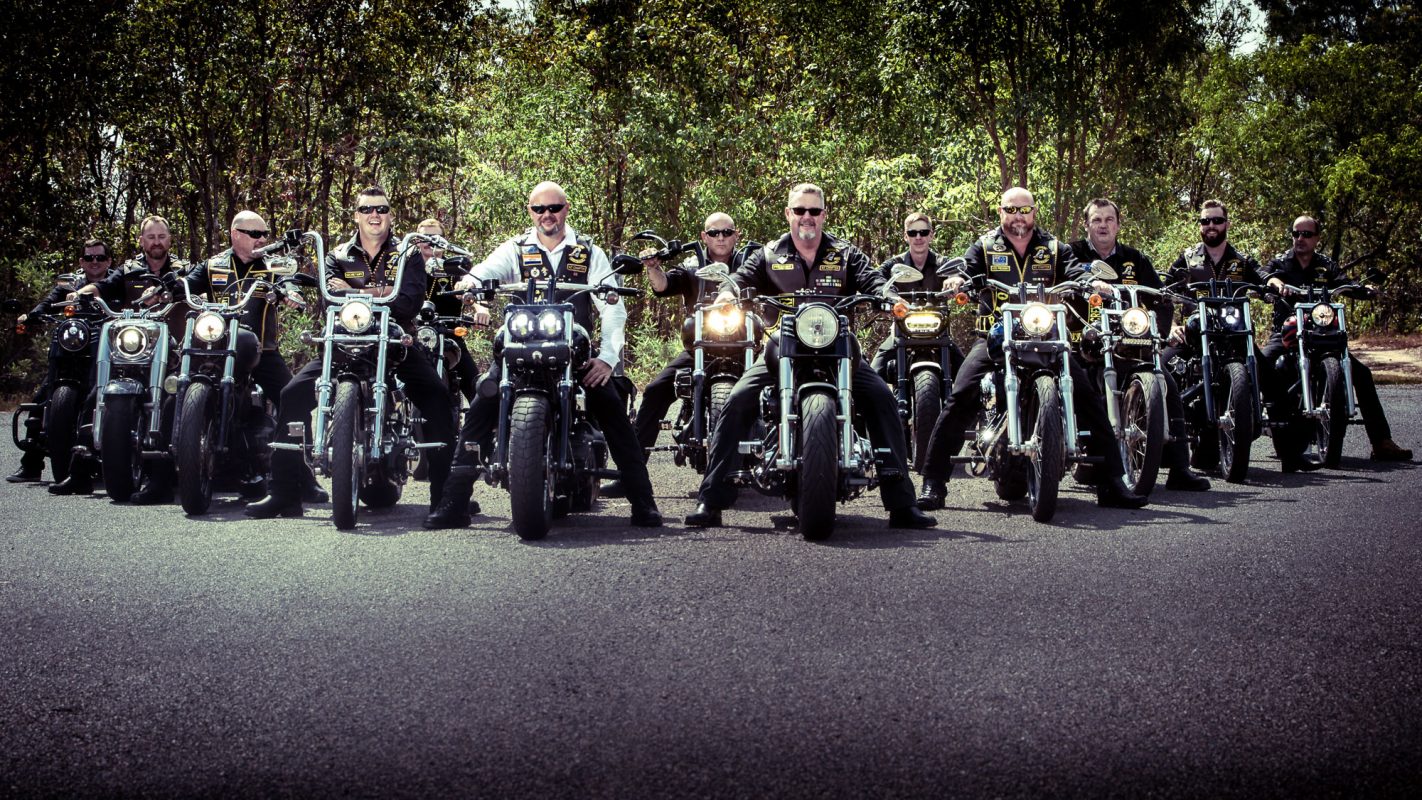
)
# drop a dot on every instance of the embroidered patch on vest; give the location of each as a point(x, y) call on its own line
point(783, 263)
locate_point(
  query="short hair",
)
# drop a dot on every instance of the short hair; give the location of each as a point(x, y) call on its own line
point(373, 190)
point(804, 188)
point(918, 216)
point(431, 222)
point(1213, 203)
point(153, 219)
point(88, 243)
point(1100, 202)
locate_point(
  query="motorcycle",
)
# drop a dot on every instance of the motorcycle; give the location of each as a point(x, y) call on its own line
point(921, 370)
point(548, 453)
point(363, 434)
point(72, 359)
point(217, 401)
point(1123, 345)
point(133, 362)
point(1026, 432)
point(1318, 373)
point(1219, 381)
point(811, 453)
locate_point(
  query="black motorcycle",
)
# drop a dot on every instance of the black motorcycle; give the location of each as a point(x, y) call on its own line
point(548, 453)
point(67, 413)
point(1219, 377)
point(921, 368)
point(222, 425)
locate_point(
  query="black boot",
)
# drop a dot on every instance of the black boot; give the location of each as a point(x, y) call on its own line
point(157, 487)
point(1182, 478)
point(933, 494)
point(612, 489)
point(311, 491)
point(910, 517)
point(645, 514)
point(704, 517)
point(78, 482)
point(1113, 493)
point(28, 472)
point(275, 505)
point(453, 509)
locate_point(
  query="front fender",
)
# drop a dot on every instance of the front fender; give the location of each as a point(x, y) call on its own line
point(122, 386)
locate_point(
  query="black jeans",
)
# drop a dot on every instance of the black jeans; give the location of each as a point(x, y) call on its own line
point(657, 398)
point(965, 401)
point(870, 395)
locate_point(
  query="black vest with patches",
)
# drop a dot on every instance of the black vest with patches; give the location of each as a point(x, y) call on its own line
point(573, 267)
point(223, 281)
point(352, 264)
point(1038, 264)
point(786, 271)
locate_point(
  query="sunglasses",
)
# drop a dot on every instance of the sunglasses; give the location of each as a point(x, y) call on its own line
point(255, 234)
point(1018, 209)
point(1212, 220)
point(720, 232)
point(917, 232)
point(88, 259)
point(551, 208)
point(801, 211)
point(1304, 234)
point(373, 209)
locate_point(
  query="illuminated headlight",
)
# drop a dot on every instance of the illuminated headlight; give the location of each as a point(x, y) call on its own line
point(1037, 319)
point(550, 324)
point(1323, 315)
point(816, 326)
point(428, 337)
point(73, 336)
point(1230, 316)
point(520, 325)
point(724, 321)
point(923, 323)
point(1135, 322)
point(131, 341)
point(356, 316)
point(209, 327)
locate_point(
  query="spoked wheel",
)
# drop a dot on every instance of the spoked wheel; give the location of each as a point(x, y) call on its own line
point(61, 422)
point(1236, 427)
point(531, 481)
point(1047, 465)
point(347, 454)
point(818, 478)
point(1143, 415)
point(197, 452)
point(121, 457)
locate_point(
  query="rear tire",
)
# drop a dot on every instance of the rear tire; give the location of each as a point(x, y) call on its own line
point(927, 403)
point(1143, 414)
point(530, 481)
point(347, 454)
point(1236, 435)
point(121, 457)
point(1046, 467)
point(61, 423)
point(196, 450)
point(818, 478)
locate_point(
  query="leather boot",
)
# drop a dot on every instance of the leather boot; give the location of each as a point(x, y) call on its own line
point(1387, 450)
point(933, 494)
point(704, 517)
point(1182, 478)
point(453, 509)
point(157, 488)
point(311, 491)
point(1113, 493)
point(275, 505)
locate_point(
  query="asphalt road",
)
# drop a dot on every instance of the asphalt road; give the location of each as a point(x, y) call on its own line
point(1258, 640)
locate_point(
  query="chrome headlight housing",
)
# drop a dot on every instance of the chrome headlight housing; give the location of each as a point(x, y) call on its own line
point(816, 326)
point(132, 342)
point(428, 337)
point(1323, 315)
point(1135, 322)
point(923, 323)
point(1037, 319)
point(723, 322)
point(520, 325)
point(550, 324)
point(73, 335)
point(356, 316)
point(209, 327)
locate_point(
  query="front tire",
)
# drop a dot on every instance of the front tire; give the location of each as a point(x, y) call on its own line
point(818, 478)
point(1334, 424)
point(927, 403)
point(1047, 465)
point(1143, 414)
point(347, 454)
point(61, 421)
point(1236, 428)
point(196, 454)
point(530, 481)
point(121, 457)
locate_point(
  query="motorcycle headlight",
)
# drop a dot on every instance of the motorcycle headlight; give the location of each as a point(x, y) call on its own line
point(1135, 322)
point(73, 335)
point(725, 321)
point(131, 341)
point(1232, 318)
point(520, 325)
point(428, 337)
point(550, 324)
point(816, 326)
point(1037, 319)
point(356, 316)
point(1323, 315)
point(209, 327)
point(923, 323)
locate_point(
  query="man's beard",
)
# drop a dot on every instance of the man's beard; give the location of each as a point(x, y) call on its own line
point(156, 253)
point(806, 234)
point(1019, 227)
point(1213, 238)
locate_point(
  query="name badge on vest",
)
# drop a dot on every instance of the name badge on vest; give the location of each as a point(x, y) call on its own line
point(783, 263)
point(833, 262)
point(1000, 264)
point(578, 260)
point(360, 273)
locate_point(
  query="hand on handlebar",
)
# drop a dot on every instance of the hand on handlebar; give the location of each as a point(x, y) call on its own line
point(953, 283)
point(1103, 288)
point(480, 314)
point(1279, 286)
point(1177, 334)
point(336, 285)
point(596, 372)
point(466, 283)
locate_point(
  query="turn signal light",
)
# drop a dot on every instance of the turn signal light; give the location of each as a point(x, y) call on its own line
point(1094, 301)
point(900, 310)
